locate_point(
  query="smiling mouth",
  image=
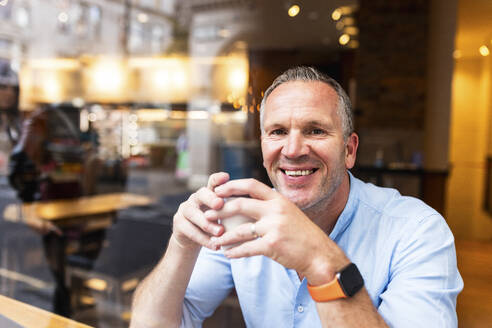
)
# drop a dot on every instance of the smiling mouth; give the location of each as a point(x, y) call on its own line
point(298, 173)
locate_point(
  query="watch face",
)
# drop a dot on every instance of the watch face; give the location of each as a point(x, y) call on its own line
point(351, 280)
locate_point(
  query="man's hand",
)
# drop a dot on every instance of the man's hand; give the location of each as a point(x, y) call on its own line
point(191, 229)
point(287, 235)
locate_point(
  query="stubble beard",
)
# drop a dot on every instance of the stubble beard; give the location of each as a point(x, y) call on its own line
point(327, 188)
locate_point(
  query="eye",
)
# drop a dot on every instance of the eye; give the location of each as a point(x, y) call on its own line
point(277, 132)
point(316, 131)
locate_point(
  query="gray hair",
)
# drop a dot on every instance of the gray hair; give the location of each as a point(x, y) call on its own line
point(310, 74)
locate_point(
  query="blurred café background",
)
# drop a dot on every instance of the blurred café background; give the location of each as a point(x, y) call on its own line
point(161, 93)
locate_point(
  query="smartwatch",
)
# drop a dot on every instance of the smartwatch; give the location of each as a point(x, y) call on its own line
point(347, 283)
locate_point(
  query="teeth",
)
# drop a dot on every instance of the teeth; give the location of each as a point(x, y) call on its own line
point(299, 172)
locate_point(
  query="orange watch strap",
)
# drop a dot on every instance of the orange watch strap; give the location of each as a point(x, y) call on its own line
point(327, 292)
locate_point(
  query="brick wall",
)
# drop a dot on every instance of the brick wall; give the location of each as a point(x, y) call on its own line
point(391, 69)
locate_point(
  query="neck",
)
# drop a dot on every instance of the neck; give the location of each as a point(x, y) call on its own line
point(325, 214)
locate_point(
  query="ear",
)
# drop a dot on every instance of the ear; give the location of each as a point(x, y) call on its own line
point(351, 150)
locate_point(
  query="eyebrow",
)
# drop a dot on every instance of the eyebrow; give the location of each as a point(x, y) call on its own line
point(325, 125)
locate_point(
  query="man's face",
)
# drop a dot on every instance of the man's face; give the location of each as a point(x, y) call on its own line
point(303, 148)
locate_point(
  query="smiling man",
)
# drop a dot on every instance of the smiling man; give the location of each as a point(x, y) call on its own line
point(324, 249)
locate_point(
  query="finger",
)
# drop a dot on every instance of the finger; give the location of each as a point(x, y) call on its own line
point(242, 233)
point(250, 207)
point(193, 233)
point(208, 198)
point(250, 248)
point(217, 179)
point(197, 217)
point(251, 187)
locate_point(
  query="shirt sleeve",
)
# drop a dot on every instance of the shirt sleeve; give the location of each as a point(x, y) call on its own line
point(210, 283)
point(424, 281)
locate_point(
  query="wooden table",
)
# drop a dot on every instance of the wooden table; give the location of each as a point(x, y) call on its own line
point(83, 207)
point(29, 316)
point(73, 231)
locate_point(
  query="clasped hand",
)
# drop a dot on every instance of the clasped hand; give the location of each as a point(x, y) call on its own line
point(286, 234)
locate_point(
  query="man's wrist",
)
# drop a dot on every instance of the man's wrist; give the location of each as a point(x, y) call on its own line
point(322, 271)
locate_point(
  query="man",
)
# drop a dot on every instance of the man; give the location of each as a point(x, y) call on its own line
point(293, 267)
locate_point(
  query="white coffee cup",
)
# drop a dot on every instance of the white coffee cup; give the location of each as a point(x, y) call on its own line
point(232, 222)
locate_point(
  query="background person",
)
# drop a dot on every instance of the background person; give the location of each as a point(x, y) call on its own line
point(316, 235)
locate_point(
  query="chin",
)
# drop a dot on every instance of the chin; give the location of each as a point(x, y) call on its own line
point(301, 201)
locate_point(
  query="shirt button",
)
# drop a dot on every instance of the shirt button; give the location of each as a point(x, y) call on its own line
point(300, 309)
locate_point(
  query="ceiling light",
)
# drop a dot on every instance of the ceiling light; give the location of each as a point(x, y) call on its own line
point(143, 18)
point(348, 21)
point(63, 17)
point(457, 54)
point(354, 44)
point(344, 39)
point(294, 10)
point(4, 2)
point(336, 14)
point(346, 10)
point(352, 30)
point(484, 50)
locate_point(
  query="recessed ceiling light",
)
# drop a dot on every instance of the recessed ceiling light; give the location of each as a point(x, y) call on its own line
point(336, 14)
point(344, 39)
point(352, 30)
point(294, 10)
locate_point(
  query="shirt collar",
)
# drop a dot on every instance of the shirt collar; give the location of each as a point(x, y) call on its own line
point(346, 216)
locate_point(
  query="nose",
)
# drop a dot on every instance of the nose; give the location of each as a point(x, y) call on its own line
point(295, 145)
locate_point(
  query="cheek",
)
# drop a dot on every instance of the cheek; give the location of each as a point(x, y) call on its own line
point(268, 151)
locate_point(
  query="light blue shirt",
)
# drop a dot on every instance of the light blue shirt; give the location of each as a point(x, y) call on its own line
point(402, 247)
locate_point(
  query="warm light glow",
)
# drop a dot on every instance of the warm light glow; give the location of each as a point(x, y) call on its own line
point(344, 39)
point(348, 21)
point(92, 117)
point(294, 10)
point(161, 78)
point(346, 10)
point(4, 2)
point(143, 18)
point(224, 33)
point(54, 64)
point(51, 86)
point(336, 14)
point(238, 79)
point(351, 30)
point(87, 300)
point(152, 115)
point(96, 284)
point(107, 76)
point(353, 44)
point(179, 79)
point(63, 17)
point(457, 54)
point(484, 50)
point(198, 115)
point(78, 102)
